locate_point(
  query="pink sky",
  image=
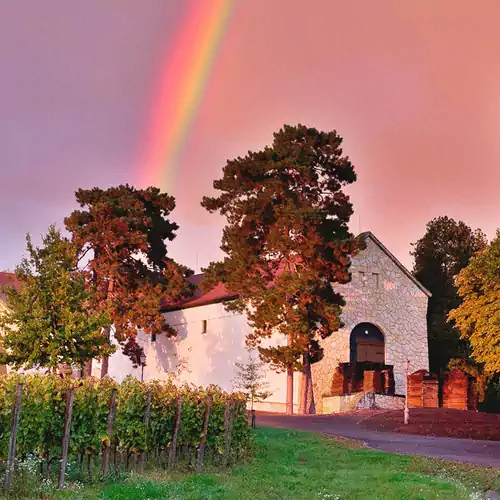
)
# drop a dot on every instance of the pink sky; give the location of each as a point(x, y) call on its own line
point(413, 87)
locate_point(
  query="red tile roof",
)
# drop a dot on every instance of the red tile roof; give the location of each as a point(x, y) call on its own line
point(7, 279)
point(217, 294)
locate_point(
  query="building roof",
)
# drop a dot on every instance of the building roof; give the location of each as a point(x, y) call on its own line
point(7, 279)
point(217, 294)
point(220, 293)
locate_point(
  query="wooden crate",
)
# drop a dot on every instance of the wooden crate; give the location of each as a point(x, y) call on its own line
point(430, 393)
point(459, 391)
point(372, 381)
point(388, 384)
point(422, 390)
point(338, 382)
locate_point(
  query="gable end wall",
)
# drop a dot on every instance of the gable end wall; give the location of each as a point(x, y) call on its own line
point(392, 302)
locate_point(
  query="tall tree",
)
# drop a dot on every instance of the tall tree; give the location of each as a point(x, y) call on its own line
point(48, 321)
point(286, 242)
point(444, 250)
point(122, 231)
point(477, 318)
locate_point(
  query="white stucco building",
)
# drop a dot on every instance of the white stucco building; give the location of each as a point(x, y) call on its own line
point(384, 323)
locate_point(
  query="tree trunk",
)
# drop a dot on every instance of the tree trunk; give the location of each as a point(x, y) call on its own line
point(87, 369)
point(289, 391)
point(105, 359)
point(302, 384)
point(307, 401)
point(289, 384)
point(107, 333)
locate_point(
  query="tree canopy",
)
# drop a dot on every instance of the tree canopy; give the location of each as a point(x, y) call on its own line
point(286, 241)
point(123, 230)
point(48, 320)
point(444, 250)
point(478, 316)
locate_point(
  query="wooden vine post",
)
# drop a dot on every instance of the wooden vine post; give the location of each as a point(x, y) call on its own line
point(16, 410)
point(67, 432)
point(147, 416)
point(173, 443)
point(111, 418)
point(203, 442)
point(228, 429)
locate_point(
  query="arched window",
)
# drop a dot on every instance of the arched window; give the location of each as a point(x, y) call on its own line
point(367, 344)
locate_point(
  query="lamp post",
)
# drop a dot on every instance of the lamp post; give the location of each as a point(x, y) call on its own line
point(407, 411)
point(143, 364)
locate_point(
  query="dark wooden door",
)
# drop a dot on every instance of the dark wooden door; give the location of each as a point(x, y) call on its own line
point(372, 350)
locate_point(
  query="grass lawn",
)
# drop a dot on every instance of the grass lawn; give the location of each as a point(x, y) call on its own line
point(301, 465)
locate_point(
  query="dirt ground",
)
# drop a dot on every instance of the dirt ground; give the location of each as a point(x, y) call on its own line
point(435, 422)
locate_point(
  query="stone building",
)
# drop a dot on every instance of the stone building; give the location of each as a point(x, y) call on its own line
point(384, 320)
point(384, 324)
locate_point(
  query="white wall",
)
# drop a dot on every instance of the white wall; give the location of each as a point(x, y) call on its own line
point(201, 358)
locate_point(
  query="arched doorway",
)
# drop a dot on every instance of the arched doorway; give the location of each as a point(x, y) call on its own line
point(367, 344)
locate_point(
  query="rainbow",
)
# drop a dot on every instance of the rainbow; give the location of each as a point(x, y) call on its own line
point(182, 84)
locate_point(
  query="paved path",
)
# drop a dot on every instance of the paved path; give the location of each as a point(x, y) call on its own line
point(460, 450)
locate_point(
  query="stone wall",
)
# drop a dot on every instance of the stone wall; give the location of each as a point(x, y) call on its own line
point(361, 401)
point(382, 294)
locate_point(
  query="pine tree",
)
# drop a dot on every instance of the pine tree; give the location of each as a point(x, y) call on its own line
point(123, 230)
point(48, 321)
point(250, 379)
point(286, 242)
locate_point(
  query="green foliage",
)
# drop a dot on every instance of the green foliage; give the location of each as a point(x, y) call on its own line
point(251, 380)
point(286, 239)
point(444, 250)
point(90, 414)
point(123, 230)
point(48, 320)
point(44, 403)
point(477, 318)
point(491, 402)
point(306, 466)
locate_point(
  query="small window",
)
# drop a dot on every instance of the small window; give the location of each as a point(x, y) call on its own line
point(362, 278)
point(204, 326)
point(153, 337)
point(375, 279)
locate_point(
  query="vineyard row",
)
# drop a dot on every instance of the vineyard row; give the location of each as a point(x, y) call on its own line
point(55, 418)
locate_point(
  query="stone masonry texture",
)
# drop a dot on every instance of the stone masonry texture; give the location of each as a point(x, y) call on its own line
point(380, 293)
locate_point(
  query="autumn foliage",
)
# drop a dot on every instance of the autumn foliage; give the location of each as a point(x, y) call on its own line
point(122, 231)
point(287, 241)
point(478, 316)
